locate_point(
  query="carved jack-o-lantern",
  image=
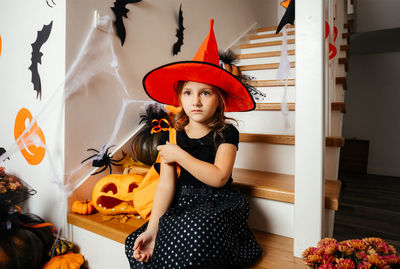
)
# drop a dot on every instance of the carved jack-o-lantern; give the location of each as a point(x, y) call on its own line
point(113, 194)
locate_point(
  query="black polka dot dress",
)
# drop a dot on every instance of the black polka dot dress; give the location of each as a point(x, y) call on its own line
point(205, 226)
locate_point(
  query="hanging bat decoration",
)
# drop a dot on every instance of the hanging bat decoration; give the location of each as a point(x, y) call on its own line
point(179, 33)
point(2, 151)
point(36, 58)
point(288, 17)
point(47, 2)
point(120, 11)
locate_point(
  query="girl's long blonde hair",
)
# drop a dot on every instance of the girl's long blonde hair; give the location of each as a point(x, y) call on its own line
point(218, 122)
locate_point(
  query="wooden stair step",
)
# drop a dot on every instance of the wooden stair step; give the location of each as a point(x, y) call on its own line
point(273, 106)
point(346, 35)
point(330, 141)
point(255, 37)
point(263, 54)
point(272, 28)
point(272, 83)
point(345, 48)
point(279, 187)
point(262, 66)
point(265, 44)
point(335, 106)
point(277, 250)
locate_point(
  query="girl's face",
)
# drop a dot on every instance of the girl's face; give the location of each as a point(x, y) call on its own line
point(199, 101)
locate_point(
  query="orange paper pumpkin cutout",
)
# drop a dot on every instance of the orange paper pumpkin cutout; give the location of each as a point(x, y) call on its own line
point(33, 154)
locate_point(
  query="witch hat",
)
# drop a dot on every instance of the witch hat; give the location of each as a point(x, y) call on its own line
point(160, 84)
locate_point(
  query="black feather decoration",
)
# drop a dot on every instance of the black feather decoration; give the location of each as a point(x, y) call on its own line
point(229, 58)
point(153, 112)
point(179, 33)
point(120, 11)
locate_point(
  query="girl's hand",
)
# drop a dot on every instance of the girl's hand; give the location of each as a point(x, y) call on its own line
point(168, 152)
point(144, 246)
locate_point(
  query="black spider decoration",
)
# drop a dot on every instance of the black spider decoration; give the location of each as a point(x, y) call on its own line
point(102, 160)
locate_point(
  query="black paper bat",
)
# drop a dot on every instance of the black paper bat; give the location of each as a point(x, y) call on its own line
point(47, 2)
point(36, 58)
point(2, 151)
point(288, 17)
point(120, 10)
point(179, 33)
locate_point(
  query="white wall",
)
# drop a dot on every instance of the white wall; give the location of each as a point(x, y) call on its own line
point(373, 111)
point(19, 23)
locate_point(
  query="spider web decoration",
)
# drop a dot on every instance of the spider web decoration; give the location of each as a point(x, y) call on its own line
point(96, 59)
point(283, 74)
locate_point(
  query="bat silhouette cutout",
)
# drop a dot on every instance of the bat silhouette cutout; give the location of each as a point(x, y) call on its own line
point(179, 33)
point(288, 17)
point(2, 151)
point(47, 2)
point(36, 58)
point(120, 10)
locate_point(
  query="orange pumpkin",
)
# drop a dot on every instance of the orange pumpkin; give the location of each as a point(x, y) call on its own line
point(113, 194)
point(68, 260)
point(83, 207)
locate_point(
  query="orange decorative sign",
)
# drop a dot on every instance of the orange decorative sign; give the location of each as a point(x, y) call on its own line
point(32, 153)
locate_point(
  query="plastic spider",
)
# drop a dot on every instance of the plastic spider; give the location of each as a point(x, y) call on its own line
point(102, 160)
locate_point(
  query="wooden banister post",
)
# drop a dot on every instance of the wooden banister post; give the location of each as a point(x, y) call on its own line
point(310, 141)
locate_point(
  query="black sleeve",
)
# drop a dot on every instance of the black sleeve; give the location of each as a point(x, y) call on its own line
point(231, 135)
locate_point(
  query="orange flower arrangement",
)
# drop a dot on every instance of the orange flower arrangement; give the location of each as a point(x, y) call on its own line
point(368, 253)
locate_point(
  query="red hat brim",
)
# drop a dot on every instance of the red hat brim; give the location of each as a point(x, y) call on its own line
point(161, 82)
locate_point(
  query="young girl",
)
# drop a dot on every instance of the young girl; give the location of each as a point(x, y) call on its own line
point(198, 220)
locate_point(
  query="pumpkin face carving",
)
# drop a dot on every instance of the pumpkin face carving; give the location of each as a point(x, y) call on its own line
point(113, 194)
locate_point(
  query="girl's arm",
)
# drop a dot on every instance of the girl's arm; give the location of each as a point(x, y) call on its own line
point(163, 195)
point(144, 243)
point(215, 175)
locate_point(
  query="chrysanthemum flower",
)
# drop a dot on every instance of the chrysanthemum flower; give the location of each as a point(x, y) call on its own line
point(376, 260)
point(345, 264)
point(327, 266)
point(327, 241)
point(358, 244)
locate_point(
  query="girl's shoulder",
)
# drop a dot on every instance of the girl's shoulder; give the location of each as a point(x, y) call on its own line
point(230, 134)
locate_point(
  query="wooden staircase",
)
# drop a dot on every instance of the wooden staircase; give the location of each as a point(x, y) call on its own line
point(268, 183)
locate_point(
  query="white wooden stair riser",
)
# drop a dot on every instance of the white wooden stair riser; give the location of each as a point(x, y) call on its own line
point(268, 39)
point(266, 157)
point(275, 94)
point(91, 244)
point(267, 49)
point(268, 74)
point(271, 216)
point(270, 32)
point(264, 60)
point(339, 94)
point(264, 122)
point(336, 123)
point(331, 162)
